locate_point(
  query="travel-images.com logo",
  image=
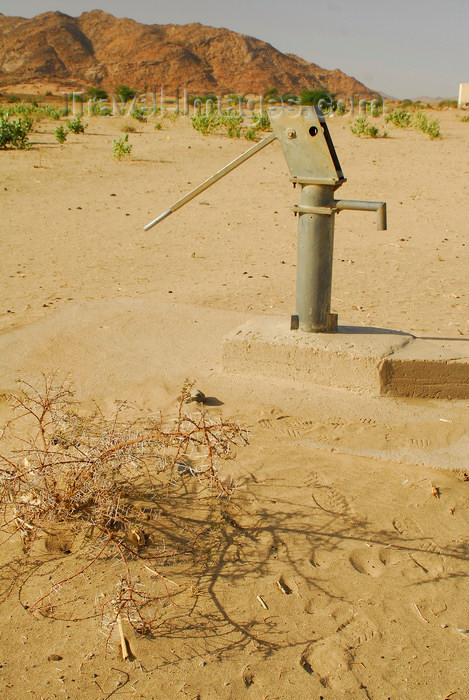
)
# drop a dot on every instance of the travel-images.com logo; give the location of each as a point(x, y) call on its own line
point(156, 103)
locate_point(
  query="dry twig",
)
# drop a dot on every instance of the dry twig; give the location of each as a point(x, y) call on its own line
point(105, 477)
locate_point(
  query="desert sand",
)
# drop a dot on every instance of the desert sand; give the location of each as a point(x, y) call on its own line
point(334, 492)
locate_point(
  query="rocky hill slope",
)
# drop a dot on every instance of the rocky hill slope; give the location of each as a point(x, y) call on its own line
point(101, 50)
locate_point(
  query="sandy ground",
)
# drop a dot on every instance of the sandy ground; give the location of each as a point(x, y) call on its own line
point(334, 490)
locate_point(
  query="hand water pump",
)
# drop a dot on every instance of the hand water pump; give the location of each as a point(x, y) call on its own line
point(314, 165)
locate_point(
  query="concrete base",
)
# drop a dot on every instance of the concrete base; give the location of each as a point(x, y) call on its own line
point(376, 360)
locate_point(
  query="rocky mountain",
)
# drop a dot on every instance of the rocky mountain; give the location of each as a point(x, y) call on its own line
point(104, 51)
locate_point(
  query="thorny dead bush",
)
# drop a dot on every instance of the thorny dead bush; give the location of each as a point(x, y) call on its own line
point(106, 479)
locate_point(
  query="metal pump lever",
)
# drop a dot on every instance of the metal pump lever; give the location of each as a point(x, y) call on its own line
point(211, 180)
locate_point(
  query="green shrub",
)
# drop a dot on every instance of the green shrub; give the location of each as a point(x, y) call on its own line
point(448, 103)
point(30, 111)
point(53, 112)
point(232, 123)
point(261, 121)
point(60, 134)
point(76, 126)
point(158, 126)
point(251, 134)
point(422, 123)
point(465, 119)
point(139, 114)
point(233, 131)
point(99, 109)
point(234, 98)
point(22, 109)
point(121, 147)
point(399, 117)
point(14, 132)
point(361, 127)
point(128, 128)
point(205, 123)
point(371, 131)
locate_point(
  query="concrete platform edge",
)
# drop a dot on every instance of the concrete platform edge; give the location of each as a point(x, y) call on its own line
point(376, 360)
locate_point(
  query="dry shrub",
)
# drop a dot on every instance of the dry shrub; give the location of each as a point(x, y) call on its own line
point(106, 480)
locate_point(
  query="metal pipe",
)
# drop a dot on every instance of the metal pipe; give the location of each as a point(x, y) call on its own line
point(354, 205)
point(314, 259)
point(211, 180)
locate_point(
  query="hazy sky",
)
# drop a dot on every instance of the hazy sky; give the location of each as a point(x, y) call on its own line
point(406, 48)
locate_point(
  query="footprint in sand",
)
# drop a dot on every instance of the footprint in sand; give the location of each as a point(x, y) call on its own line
point(285, 425)
point(312, 479)
point(407, 527)
point(331, 658)
point(423, 553)
point(368, 421)
point(418, 443)
point(330, 500)
point(328, 659)
point(322, 558)
point(410, 530)
point(367, 562)
point(357, 631)
point(391, 557)
point(248, 677)
point(56, 542)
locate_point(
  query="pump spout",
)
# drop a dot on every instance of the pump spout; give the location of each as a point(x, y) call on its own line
point(354, 205)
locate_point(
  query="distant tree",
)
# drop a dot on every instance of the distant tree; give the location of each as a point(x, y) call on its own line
point(125, 92)
point(97, 93)
point(272, 94)
point(289, 97)
point(203, 99)
point(312, 97)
